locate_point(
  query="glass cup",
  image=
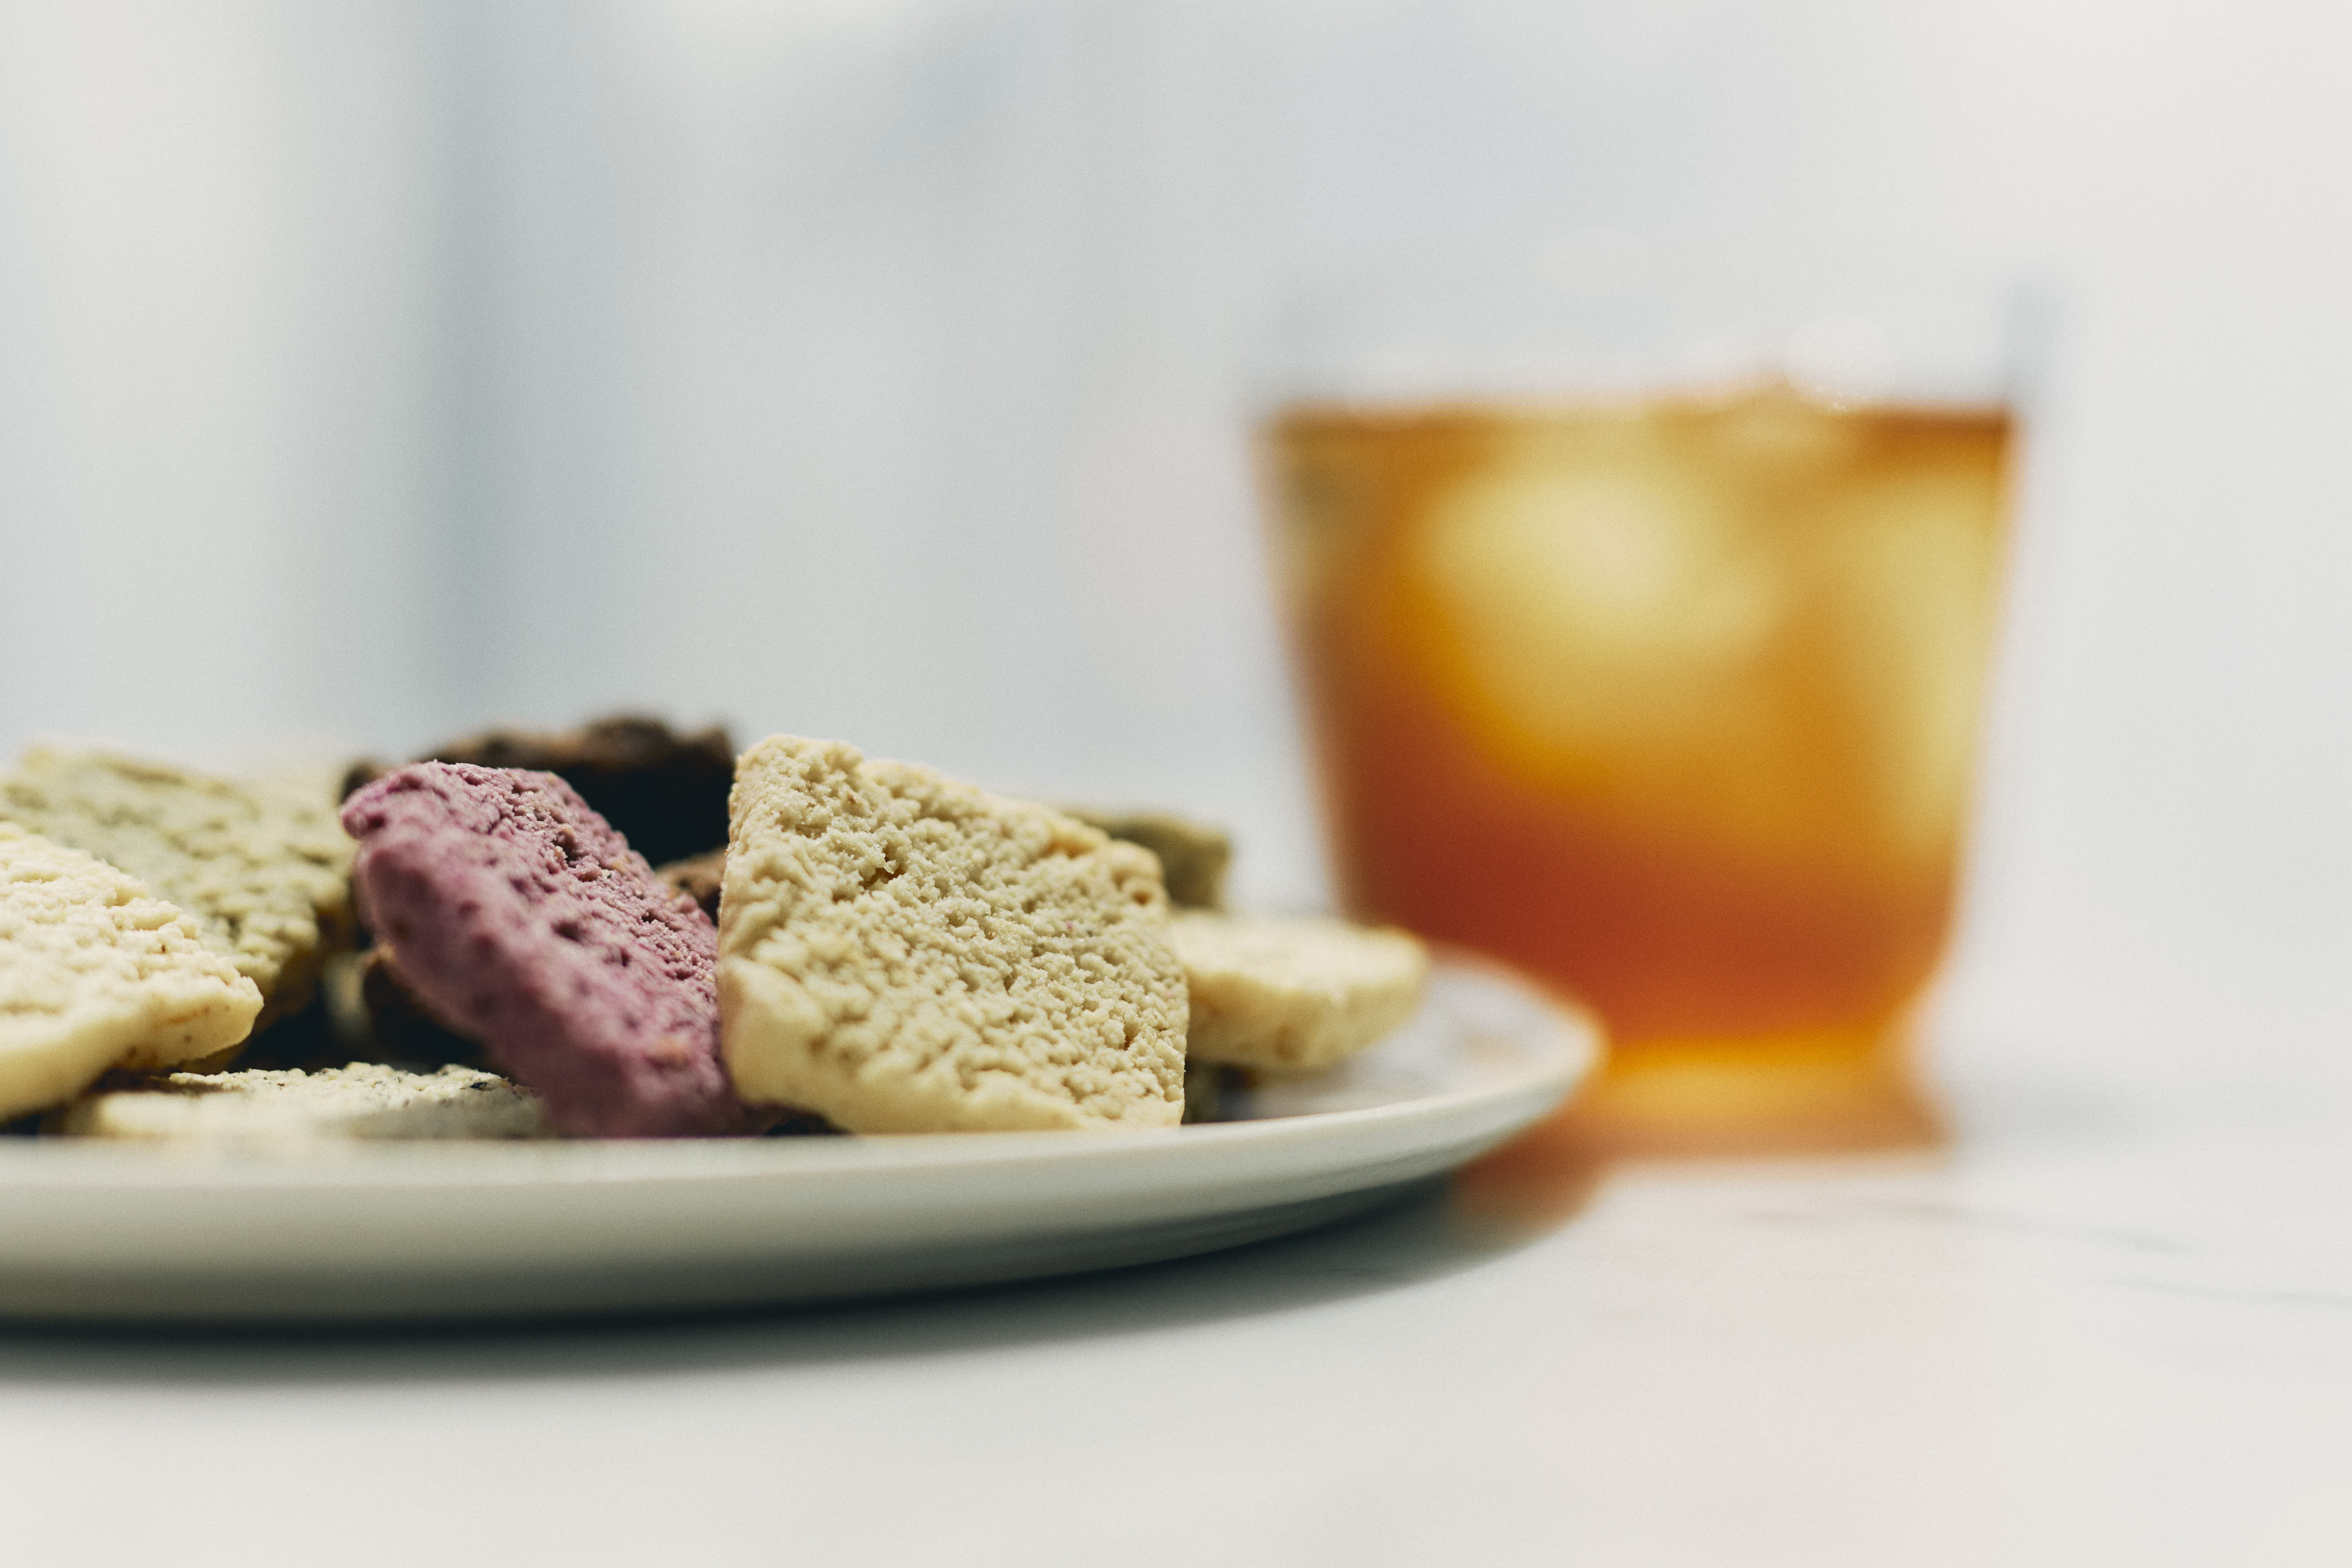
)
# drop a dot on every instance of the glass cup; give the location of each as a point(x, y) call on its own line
point(1642, 604)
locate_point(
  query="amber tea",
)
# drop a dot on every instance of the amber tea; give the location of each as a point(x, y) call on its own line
point(1672, 702)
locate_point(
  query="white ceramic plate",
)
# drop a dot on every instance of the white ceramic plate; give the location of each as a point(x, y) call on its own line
point(104, 1233)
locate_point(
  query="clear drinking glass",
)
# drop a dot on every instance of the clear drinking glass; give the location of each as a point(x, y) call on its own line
point(1641, 600)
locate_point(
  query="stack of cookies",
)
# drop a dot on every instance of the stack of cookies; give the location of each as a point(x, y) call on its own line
point(622, 931)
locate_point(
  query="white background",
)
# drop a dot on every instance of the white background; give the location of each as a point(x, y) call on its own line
point(372, 370)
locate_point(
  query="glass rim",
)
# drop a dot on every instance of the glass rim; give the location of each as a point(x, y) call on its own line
point(1607, 316)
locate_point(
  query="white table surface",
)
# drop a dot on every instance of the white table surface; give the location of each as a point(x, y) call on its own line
point(2107, 1326)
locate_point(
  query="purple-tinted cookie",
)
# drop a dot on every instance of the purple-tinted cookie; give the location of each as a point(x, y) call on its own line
point(517, 914)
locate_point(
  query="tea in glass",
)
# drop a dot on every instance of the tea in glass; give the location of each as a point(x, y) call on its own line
point(1672, 701)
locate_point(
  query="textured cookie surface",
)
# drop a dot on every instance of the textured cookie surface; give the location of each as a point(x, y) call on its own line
point(664, 790)
point(520, 918)
point(262, 873)
point(95, 971)
point(1290, 994)
point(362, 1102)
point(903, 953)
point(1192, 855)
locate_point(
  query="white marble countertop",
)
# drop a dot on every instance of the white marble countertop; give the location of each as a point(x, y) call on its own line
point(2104, 1327)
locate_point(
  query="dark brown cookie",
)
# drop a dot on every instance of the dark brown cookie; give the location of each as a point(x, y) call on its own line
point(400, 1028)
point(663, 790)
point(698, 879)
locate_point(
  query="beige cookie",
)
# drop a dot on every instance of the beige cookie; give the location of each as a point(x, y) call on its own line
point(264, 873)
point(97, 972)
point(362, 1101)
point(1192, 855)
point(1293, 994)
point(902, 953)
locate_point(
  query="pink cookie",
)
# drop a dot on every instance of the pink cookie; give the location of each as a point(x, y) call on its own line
point(519, 917)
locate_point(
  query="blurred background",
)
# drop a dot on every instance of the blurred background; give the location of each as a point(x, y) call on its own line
point(878, 369)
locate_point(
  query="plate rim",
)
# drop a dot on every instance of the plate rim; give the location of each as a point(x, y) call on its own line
point(1572, 1043)
point(460, 1231)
